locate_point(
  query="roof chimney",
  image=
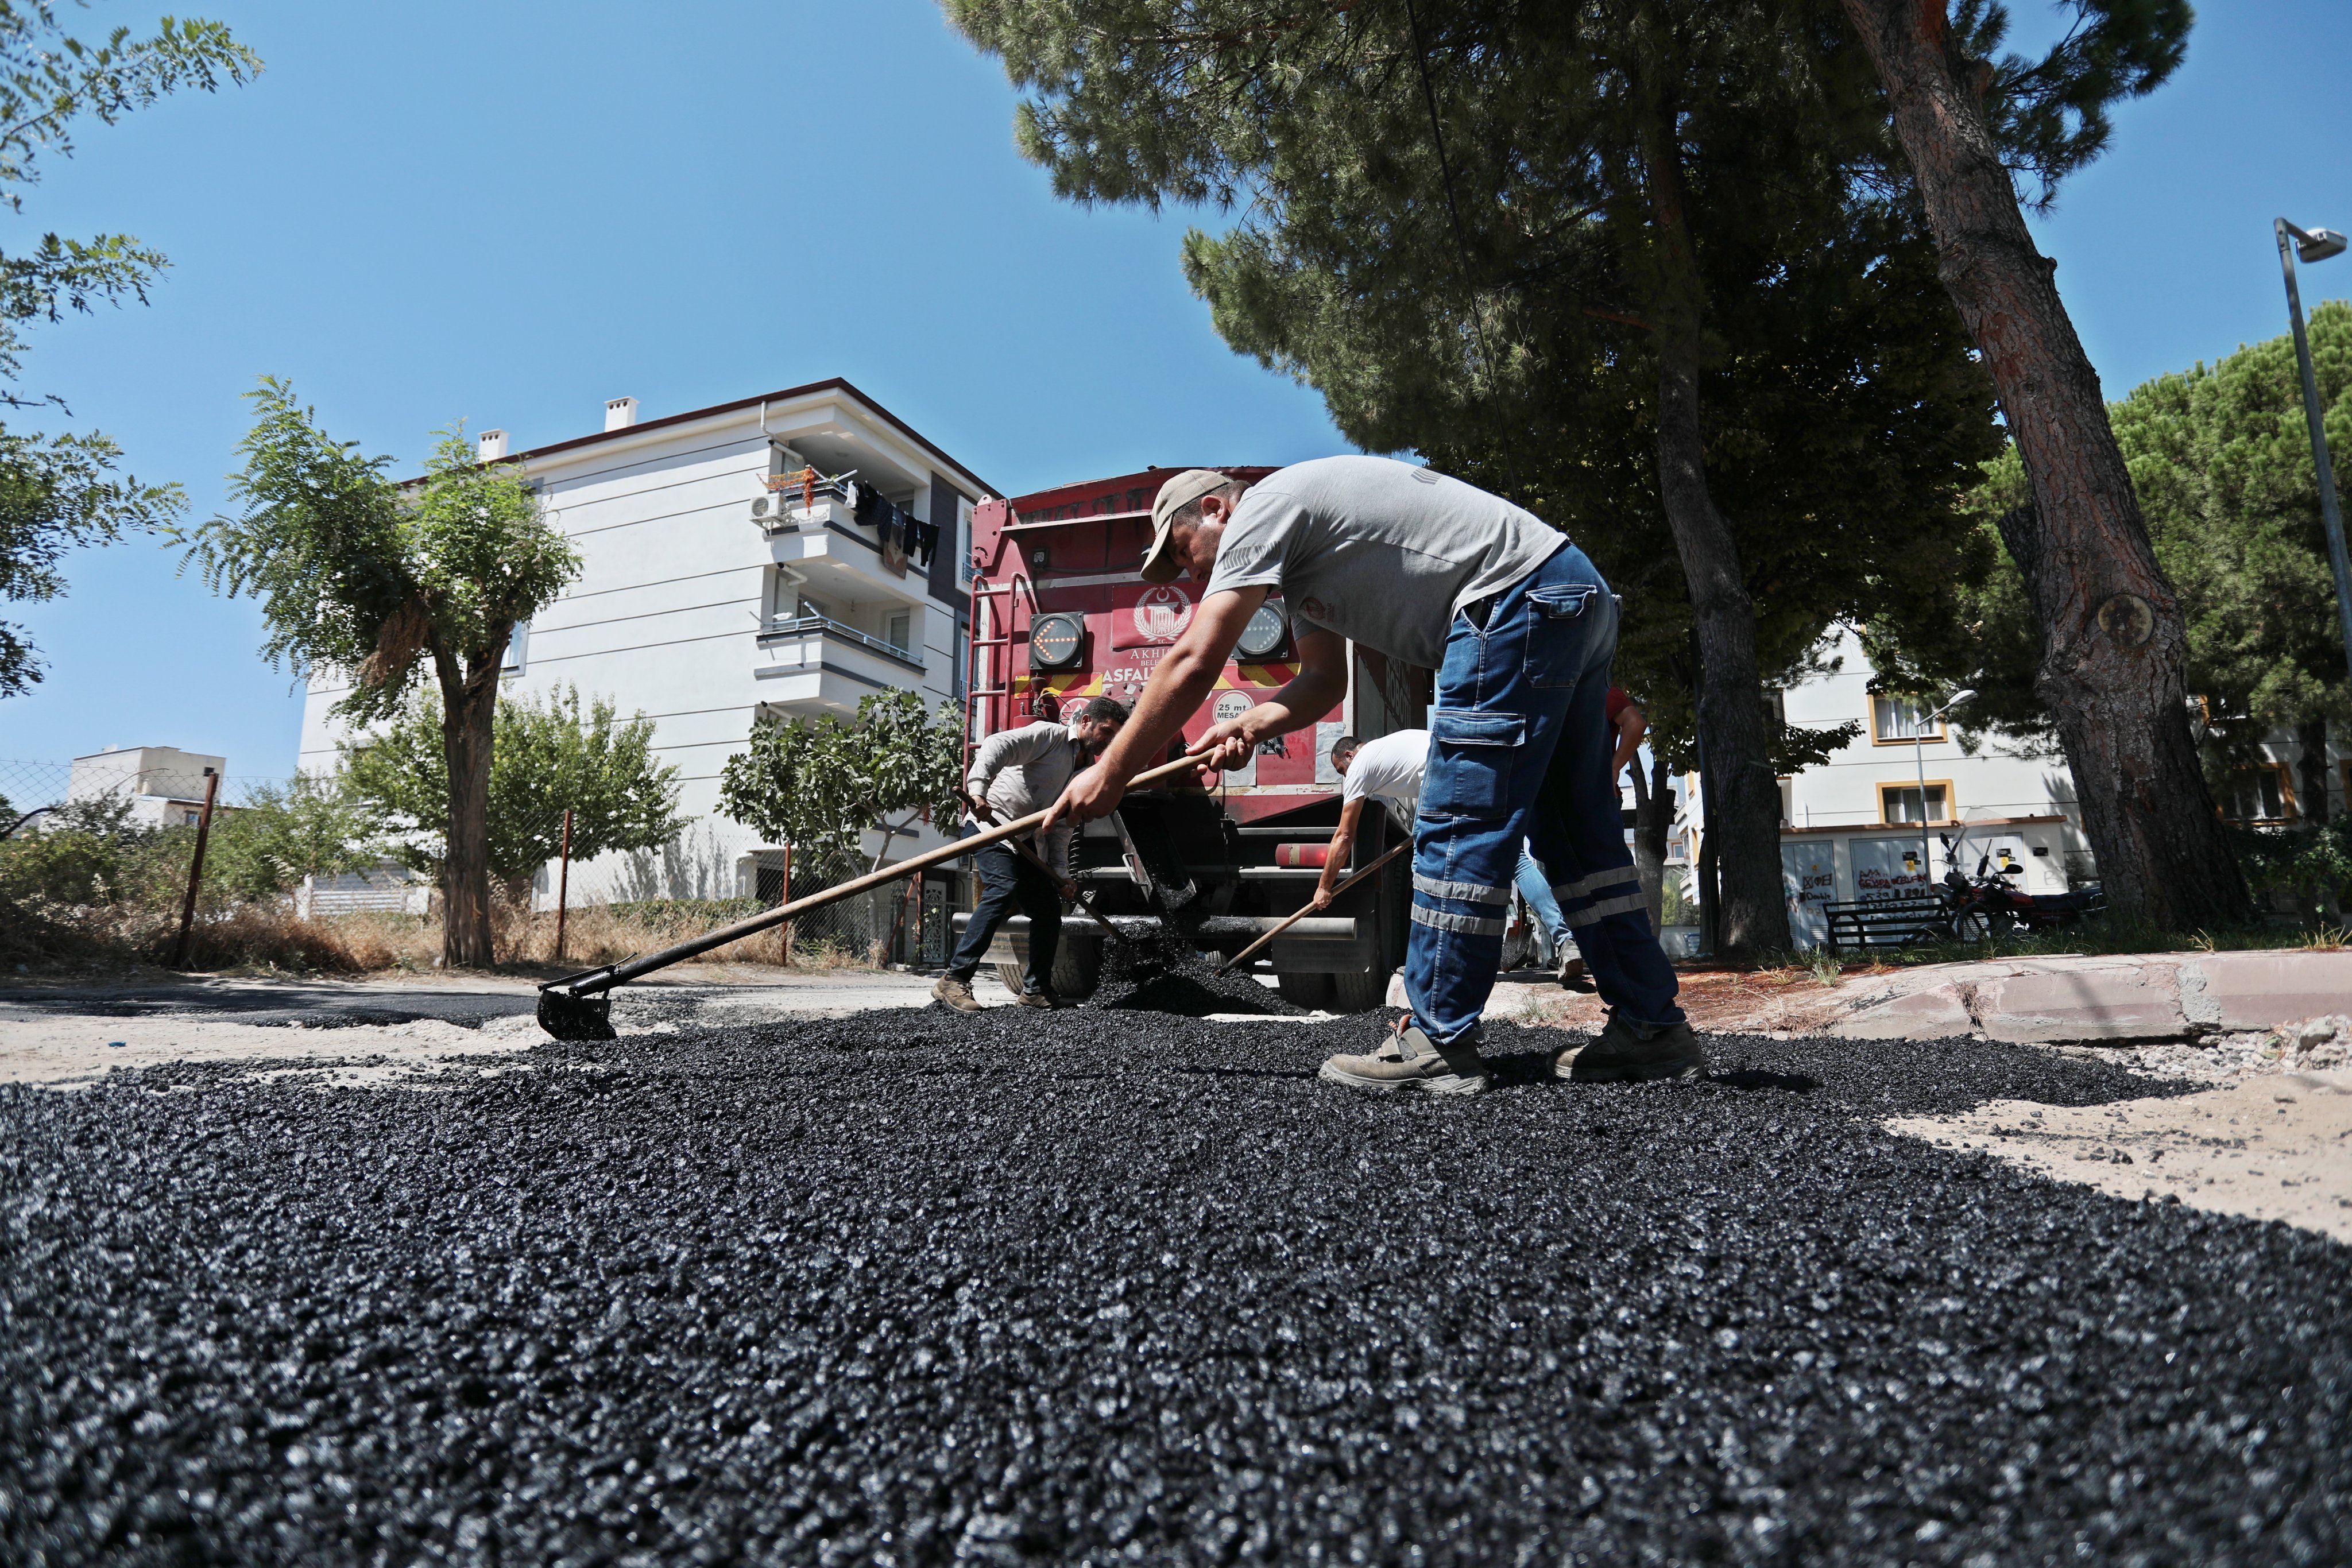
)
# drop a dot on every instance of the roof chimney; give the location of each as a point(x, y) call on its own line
point(493, 445)
point(620, 414)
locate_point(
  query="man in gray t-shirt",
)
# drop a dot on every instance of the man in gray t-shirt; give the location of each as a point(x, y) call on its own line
point(1519, 629)
point(1380, 551)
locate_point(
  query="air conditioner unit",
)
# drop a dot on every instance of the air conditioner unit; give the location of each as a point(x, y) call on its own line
point(773, 513)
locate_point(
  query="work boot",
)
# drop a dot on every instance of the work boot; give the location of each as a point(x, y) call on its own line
point(1045, 1000)
point(1626, 1052)
point(1571, 973)
point(1409, 1060)
point(956, 993)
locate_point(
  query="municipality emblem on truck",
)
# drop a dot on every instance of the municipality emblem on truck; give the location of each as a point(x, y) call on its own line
point(1163, 612)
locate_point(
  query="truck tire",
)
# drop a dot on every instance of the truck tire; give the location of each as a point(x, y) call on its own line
point(1077, 967)
point(1359, 992)
point(1303, 990)
point(1010, 975)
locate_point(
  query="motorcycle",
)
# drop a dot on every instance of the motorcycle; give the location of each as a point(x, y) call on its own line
point(1979, 908)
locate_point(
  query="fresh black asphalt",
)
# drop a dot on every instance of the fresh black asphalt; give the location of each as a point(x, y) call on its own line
point(1111, 1286)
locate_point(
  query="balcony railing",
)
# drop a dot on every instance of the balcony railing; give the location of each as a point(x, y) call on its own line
point(777, 627)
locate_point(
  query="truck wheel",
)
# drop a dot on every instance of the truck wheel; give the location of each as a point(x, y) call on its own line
point(1010, 973)
point(1077, 967)
point(1359, 992)
point(1303, 990)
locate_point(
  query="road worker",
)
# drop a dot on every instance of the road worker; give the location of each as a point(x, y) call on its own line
point(1521, 628)
point(1013, 773)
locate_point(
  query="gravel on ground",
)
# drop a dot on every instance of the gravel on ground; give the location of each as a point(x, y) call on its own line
point(1107, 1286)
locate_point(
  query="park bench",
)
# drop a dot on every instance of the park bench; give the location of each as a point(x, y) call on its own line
point(1880, 922)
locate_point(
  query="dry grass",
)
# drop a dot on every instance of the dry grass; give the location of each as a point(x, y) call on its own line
point(274, 939)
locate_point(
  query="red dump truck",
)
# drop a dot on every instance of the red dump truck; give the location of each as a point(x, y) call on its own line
point(1060, 613)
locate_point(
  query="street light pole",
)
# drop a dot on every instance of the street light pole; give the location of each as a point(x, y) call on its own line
point(2317, 245)
point(1920, 760)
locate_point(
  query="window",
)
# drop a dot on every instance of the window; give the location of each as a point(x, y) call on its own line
point(518, 646)
point(1788, 801)
point(1901, 802)
point(2259, 794)
point(961, 543)
point(902, 627)
point(1900, 720)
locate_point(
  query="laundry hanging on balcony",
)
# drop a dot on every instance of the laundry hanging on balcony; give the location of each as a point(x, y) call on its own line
point(900, 533)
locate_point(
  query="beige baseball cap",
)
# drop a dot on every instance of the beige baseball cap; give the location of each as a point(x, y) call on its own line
point(1192, 483)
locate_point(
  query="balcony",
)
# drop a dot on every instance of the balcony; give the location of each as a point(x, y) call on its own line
point(777, 629)
point(808, 664)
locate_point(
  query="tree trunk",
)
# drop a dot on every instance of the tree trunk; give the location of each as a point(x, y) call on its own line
point(2112, 636)
point(470, 707)
point(2311, 739)
point(1743, 793)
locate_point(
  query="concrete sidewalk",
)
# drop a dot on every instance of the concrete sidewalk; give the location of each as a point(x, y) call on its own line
point(2055, 1000)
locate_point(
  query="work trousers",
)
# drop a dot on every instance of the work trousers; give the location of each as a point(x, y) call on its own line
point(1518, 751)
point(1008, 881)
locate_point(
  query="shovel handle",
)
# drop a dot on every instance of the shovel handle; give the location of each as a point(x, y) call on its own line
point(1290, 921)
point(588, 982)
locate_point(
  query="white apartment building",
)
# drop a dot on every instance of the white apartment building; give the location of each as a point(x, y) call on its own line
point(1870, 824)
point(1853, 829)
point(165, 785)
point(708, 597)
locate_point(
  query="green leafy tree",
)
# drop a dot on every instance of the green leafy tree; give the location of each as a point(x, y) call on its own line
point(282, 833)
point(1635, 266)
point(821, 784)
point(59, 492)
point(2113, 639)
point(547, 756)
point(2222, 460)
point(369, 578)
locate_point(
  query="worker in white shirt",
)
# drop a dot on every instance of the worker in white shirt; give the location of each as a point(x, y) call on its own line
point(1388, 771)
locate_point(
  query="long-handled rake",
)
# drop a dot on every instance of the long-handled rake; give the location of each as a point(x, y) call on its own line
point(580, 1006)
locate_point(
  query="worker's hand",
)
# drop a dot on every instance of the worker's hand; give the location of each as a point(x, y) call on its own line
point(1225, 747)
point(1069, 891)
point(1089, 794)
point(1322, 899)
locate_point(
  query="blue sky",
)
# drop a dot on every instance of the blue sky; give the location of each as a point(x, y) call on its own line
point(509, 214)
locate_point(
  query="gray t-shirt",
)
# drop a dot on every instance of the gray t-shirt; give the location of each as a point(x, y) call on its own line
point(1378, 551)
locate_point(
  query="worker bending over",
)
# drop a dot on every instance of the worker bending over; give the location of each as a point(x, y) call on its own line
point(1520, 629)
point(1386, 771)
point(1013, 773)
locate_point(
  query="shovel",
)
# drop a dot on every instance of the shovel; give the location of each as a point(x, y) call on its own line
point(580, 1006)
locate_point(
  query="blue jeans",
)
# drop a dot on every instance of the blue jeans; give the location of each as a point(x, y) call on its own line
point(1551, 925)
point(1518, 749)
point(1008, 881)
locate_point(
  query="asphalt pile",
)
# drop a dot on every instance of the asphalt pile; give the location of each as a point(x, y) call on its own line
point(906, 1289)
point(1161, 972)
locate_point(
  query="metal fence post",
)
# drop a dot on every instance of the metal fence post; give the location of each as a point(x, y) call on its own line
point(784, 930)
point(195, 870)
point(564, 885)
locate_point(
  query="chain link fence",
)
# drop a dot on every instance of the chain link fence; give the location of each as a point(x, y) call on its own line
point(713, 869)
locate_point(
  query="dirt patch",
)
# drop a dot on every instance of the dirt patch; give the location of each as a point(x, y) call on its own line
point(2272, 1146)
point(75, 1051)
